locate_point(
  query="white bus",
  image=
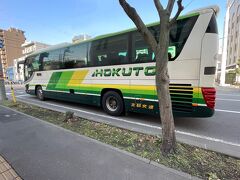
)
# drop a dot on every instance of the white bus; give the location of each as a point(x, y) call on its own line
point(117, 71)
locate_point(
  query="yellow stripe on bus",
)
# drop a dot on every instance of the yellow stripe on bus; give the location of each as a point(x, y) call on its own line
point(77, 78)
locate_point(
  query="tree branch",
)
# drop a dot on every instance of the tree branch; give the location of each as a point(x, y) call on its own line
point(159, 7)
point(170, 6)
point(133, 15)
point(180, 8)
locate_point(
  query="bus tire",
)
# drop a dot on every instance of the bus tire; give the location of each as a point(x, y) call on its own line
point(39, 93)
point(112, 103)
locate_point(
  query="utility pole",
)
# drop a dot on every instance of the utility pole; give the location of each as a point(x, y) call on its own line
point(3, 95)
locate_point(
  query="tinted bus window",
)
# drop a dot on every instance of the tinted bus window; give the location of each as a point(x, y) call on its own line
point(75, 56)
point(212, 27)
point(180, 32)
point(32, 64)
point(141, 52)
point(109, 51)
point(52, 60)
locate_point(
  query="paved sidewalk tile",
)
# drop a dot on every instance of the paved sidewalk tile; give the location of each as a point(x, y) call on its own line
point(6, 171)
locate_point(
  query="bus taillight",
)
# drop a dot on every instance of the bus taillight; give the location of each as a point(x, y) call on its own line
point(209, 95)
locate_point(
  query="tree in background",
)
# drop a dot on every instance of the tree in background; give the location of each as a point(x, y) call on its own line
point(238, 72)
point(160, 49)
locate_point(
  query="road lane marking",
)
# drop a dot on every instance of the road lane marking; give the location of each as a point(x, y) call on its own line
point(22, 95)
point(152, 126)
point(227, 94)
point(105, 116)
point(208, 138)
point(229, 111)
point(228, 99)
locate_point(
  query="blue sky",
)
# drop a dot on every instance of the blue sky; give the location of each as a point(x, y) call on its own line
point(56, 21)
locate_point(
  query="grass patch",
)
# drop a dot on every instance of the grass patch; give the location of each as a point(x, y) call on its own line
point(192, 160)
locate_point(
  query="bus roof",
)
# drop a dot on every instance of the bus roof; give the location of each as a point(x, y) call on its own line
point(214, 8)
point(133, 29)
point(190, 14)
point(196, 12)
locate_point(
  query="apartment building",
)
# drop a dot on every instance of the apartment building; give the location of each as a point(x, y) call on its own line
point(233, 46)
point(12, 40)
point(81, 37)
point(233, 41)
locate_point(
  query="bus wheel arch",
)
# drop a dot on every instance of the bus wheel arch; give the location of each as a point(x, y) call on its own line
point(39, 92)
point(112, 101)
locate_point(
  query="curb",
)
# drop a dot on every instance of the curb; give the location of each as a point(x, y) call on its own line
point(197, 141)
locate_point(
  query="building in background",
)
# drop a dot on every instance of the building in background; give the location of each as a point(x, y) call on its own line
point(12, 40)
point(232, 42)
point(18, 70)
point(80, 38)
point(28, 48)
point(32, 46)
point(10, 74)
point(218, 69)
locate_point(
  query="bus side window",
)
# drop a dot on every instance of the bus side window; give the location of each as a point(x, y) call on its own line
point(141, 51)
point(52, 60)
point(35, 63)
point(42, 59)
point(46, 64)
point(117, 49)
point(109, 51)
point(123, 57)
point(95, 54)
point(75, 56)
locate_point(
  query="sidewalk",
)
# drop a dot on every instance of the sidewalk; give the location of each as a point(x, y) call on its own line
point(39, 150)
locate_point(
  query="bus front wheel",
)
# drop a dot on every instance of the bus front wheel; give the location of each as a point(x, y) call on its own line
point(39, 93)
point(112, 103)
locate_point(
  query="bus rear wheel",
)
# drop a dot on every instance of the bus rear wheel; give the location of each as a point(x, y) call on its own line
point(112, 103)
point(39, 93)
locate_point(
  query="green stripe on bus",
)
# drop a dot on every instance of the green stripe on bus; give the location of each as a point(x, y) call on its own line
point(53, 80)
point(64, 80)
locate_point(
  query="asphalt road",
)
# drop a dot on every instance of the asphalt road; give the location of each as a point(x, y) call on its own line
point(220, 132)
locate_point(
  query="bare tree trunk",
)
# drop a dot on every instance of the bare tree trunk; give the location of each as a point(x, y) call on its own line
point(166, 115)
point(162, 85)
point(160, 48)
